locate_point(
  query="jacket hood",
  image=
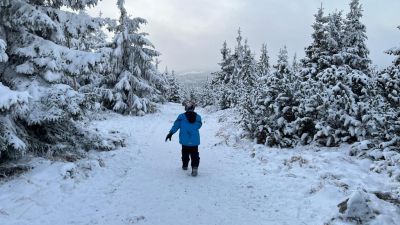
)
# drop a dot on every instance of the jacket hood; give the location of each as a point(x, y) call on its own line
point(191, 116)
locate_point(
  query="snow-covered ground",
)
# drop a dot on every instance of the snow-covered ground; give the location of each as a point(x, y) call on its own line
point(238, 183)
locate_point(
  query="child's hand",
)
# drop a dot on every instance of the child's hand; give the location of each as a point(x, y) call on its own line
point(169, 136)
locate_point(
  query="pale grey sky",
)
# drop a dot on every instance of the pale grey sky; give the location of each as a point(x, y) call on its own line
point(190, 33)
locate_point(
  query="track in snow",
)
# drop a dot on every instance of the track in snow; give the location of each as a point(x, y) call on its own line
point(144, 184)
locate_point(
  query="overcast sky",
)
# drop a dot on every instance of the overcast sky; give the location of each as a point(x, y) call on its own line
point(190, 33)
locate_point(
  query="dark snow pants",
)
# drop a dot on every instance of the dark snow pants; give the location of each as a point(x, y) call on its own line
point(193, 152)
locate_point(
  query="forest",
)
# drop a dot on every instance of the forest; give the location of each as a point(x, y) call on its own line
point(72, 84)
point(58, 69)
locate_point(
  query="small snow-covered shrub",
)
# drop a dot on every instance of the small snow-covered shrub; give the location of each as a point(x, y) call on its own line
point(357, 208)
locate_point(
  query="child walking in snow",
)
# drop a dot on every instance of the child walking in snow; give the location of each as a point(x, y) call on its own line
point(189, 124)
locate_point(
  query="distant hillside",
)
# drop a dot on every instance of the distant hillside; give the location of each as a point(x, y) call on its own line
point(193, 78)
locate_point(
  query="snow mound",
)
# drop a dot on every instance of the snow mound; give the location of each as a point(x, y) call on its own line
point(357, 208)
point(368, 208)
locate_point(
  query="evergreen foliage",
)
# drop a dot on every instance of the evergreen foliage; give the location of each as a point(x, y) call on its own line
point(389, 79)
point(221, 81)
point(332, 97)
point(269, 113)
point(295, 64)
point(314, 60)
point(238, 74)
point(387, 103)
point(354, 37)
point(132, 82)
point(173, 93)
point(42, 54)
point(263, 63)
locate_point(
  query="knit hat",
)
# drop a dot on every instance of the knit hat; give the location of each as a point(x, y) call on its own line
point(189, 106)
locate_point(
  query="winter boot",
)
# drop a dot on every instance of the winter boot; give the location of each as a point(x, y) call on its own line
point(184, 167)
point(194, 171)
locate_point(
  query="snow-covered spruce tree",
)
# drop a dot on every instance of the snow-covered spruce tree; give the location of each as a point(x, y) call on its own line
point(246, 88)
point(283, 132)
point(270, 114)
point(346, 83)
point(314, 60)
point(234, 78)
point(252, 112)
point(263, 63)
point(336, 97)
point(43, 57)
point(90, 83)
point(313, 106)
point(237, 76)
point(228, 83)
point(206, 95)
point(131, 87)
point(221, 79)
point(355, 51)
point(173, 93)
point(312, 93)
point(10, 102)
point(389, 80)
point(395, 52)
point(346, 107)
point(295, 64)
point(386, 108)
point(247, 75)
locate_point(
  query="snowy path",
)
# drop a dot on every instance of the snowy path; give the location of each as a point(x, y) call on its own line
point(144, 184)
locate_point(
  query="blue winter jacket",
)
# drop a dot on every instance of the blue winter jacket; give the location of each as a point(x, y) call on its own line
point(189, 124)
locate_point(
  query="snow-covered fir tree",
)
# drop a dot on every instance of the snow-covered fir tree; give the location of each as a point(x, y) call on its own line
point(220, 83)
point(346, 104)
point(395, 52)
point(331, 98)
point(173, 93)
point(263, 63)
point(389, 79)
point(237, 72)
point(356, 53)
point(247, 75)
point(10, 102)
point(335, 34)
point(269, 114)
point(244, 74)
point(314, 61)
point(337, 96)
point(131, 86)
point(283, 62)
point(345, 86)
point(252, 112)
point(45, 56)
point(295, 64)
point(386, 103)
point(206, 95)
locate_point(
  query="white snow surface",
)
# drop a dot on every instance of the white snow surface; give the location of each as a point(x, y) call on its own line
point(143, 183)
point(8, 97)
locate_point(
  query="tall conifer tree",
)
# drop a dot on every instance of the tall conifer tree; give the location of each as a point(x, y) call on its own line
point(45, 56)
point(356, 52)
point(263, 63)
point(131, 87)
